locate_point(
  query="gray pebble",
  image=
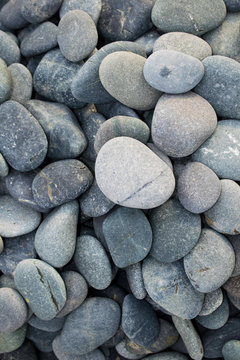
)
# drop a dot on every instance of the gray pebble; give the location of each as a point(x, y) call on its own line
point(26, 352)
point(53, 325)
point(9, 50)
point(232, 287)
point(135, 280)
point(10, 341)
point(42, 340)
point(6, 281)
point(91, 7)
point(232, 5)
point(21, 89)
point(160, 154)
point(37, 12)
point(231, 350)
point(61, 354)
point(11, 16)
point(33, 63)
point(234, 240)
point(115, 109)
point(4, 169)
point(171, 355)
point(124, 352)
point(148, 40)
point(217, 318)
point(5, 82)
point(212, 301)
point(1, 245)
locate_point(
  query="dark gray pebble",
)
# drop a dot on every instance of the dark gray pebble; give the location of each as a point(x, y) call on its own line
point(36, 12)
point(232, 287)
point(115, 109)
point(42, 340)
point(113, 292)
point(10, 341)
point(169, 355)
point(212, 301)
point(91, 7)
point(33, 63)
point(11, 16)
point(9, 50)
point(21, 89)
point(5, 82)
point(135, 280)
point(53, 325)
point(147, 40)
point(235, 241)
point(232, 5)
point(231, 350)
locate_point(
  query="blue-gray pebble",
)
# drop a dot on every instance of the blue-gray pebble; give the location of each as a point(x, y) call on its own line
point(41, 339)
point(9, 50)
point(212, 301)
point(36, 12)
point(92, 7)
point(4, 169)
point(135, 280)
point(11, 16)
point(231, 350)
point(10, 341)
point(147, 40)
point(5, 82)
point(217, 318)
point(21, 89)
point(53, 325)
point(232, 5)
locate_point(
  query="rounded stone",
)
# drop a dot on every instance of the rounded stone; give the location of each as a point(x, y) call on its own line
point(171, 355)
point(135, 280)
point(63, 355)
point(116, 108)
point(139, 178)
point(198, 187)
point(92, 262)
point(232, 5)
point(23, 142)
point(4, 169)
point(232, 287)
point(220, 85)
point(9, 50)
point(234, 240)
point(91, 7)
point(76, 48)
point(181, 123)
point(173, 72)
point(224, 216)
point(188, 16)
point(5, 82)
point(11, 16)
point(217, 318)
point(169, 287)
point(147, 40)
point(184, 42)
point(211, 262)
point(128, 236)
point(121, 74)
point(41, 286)
point(21, 89)
point(53, 325)
point(60, 182)
point(231, 350)
point(39, 10)
point(42, 340)
point(175, 231)
point(10, 341)
point(160, 154)
point(212, 301)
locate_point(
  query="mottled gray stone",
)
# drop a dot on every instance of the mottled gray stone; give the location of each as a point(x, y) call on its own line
point(184, 42)
point(188, 16)
point(232, 287)
point(53, 325)
point(212, 301)
point(217, 318)
point(60, 182)
point(147, 40)
point(63, 355)
point(38, 11)
point(41, 286)
point(6, 281)
point(169, 287)
point(115, 109)
point(160, 154)
point(173, 72)
point(231, 350)
point(232, 5)
point(26, 31)
point(33, 63)
point(135, 280)
point(211, 262)
point(91, 7)
point(139, 178)
point(42, 340)
point(21, 89)
point(39, 40)
point(168, 355)
point(11, 16)
point(26, 352)
point(10, 341)
point(4, 169)
point(174, 116)
point(124, 352)
point(175, 231)
point(235, 241)
point(9, 50)
point(5, 82)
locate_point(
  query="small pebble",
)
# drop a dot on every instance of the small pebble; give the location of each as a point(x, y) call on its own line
point(21, 89)
point(5, 82)
point(148, 40)
point(53, 325)
point(135, 280)
point(9, 50)
point(11, 16)
point(231, 350)
point(212, 301)
point(234, 240)
point(116, 109)
point(36, 12)
point(42, 340)
point(91, 7)
point(232, 5)
point(217, 318)
point(10, 341)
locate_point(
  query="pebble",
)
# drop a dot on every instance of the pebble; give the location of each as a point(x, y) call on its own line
point(40, 40)
point(136, 92)
point(9, 50)
point(38, 12)
point(211, 262)
point(139, 178)
point(174, 115)
point(91, 7)
point(212, 301)
point(188, 16)
point(147, 40)
point(6, 281)
point(217, 318)
point(26, 352)
point(232, 287)
point(234, 240)
point(184, 42)
point(115, 109)
point(21, 88)
point(10, 341)
point(175, 231)
point(232, 5)
point(5, 83)
point(171, 355)
point(4, 169)
point(41, 286)
point(231, 350)
point(42, 340)
point(60, 182)
point(160, 154)
point(53, 325)
point(11, 16)
point(135, 280)
point(128, 235)
point(1, 245)
point(62, 355)
point(169, 287)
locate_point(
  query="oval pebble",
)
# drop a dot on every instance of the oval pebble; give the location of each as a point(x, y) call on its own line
point(9, 50)
point(5, 82)
point(231, 350)
point(36, 12)
point(217, 318)
point(168, 355)
point(21, 89)
point(11, 16)
point(212, 301)
point(147, 40)
point(234, 240)
point(232, 5)
point(53, 325)
point(10, 341)
point(91, 7)
point(135, 280)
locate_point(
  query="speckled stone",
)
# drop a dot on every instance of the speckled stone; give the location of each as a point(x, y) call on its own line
point(174, 116)
point(38, 11)
point(6, 281)
point(58, 129)
point(4, 169)
point(169, 287)
point(217, 318)
point(63, 355)
point(168, 355)
point(220, 85)
point(184, 42)
point(135, 280)
point(53, 78)
point(173, 72)
point(86, 85)
point(113, 292)
point(10, 341)
point(188, 16)
point(232, 287)
point(21, 88)
point(60, 182)
point(234, 240)
point(232, 5)
point(139, 178)
point(160, 154)
point(11, 16)
point(221, 151)
point(175, 231)
point(91, 7)
point(41, 286)
point(124, 353)
point(5, 82)
point(115, 109)
point(212, 301)
point(26, 352)
point(33, 63)
point(42, 340)
point(147, 40)
point(77, 290)
point(9, 50)
point(53, 325)
point(22, 140)
point(224, 216)
point(211, 262)
point(231, 350)
point(41, 39)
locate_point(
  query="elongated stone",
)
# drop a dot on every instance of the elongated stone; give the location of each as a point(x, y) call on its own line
point(5, 82)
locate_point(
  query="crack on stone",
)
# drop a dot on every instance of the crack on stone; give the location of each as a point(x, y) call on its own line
point(48, 287)
point(203, 270)
point(40, 274)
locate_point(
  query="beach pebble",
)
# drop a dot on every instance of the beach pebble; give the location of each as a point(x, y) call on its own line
point(21, 88)
point(217, 318)
point(147, 40)
point(232, 5)
point(63, 355)
point(11, 16)
point(26, 351)
point(10, 341)
point(4, 169)
point(42, 340)
point(135, 280)
point(9, 50)
point(115, 109)
point(38, 11)
point(171, 355)
point(91, 7)
point(234, 240)
point(160, 154)
point(53, 325)
point(231, 350)
point(5, 82)
point(232, 287)
point(212, 301)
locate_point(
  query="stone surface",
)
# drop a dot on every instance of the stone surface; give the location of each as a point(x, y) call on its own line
point(160, 154)
point(41, 286)
point(26, 352)
point(62, 355)
point(116, 108)
point(9, 50)
point(42, 340)
point(53, 325)
point(169, 287)
point(21, 89)
point(232, 287)
point(217, 318)
point(174, 116)
point(4, 169)
point(5, 83)
point(11, 16)
point(91, 7)
point(171, 355)
point(13, 340)
point(211, 262)
point(147, 40)
point(212, 301)
point(231, 350)
point(135, 280)
point(232, 5)
point(121, 74)
point(234, 240)
point(139, 179)
point(38, 11)
point(175, 231)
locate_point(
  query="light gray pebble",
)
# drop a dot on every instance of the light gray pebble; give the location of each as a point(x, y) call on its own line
point(231, 350)
point(212, 301)
point(21, 89)
point(4, 169)
point(135, 280)
point(5, 82)
point(160, 154)
point(9, 50)
point(92, 7)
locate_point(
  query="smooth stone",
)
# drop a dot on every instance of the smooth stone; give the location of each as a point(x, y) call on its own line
point(41, 286)
point(148, 40)
point(6, 281)
point(23, 142)
point(26, 352)
point(189, 336)
point(231, 350)
point(234, 240)
point(184, 42)
point(55, 239)
point(75, 48)
point(60, 182)
point(220, 85)
point(128, 19)
point(173, 72)
point(9, 50)
point(235, 302)
point(188, 16)
point(91, 7)
point(139, 178)
point(92, 262)
point(211, 262)
point(224, 216)
point(221, 151)
point(5, 82)
point(86, 85)
point(168, 355)
point(124, 353)
point(10, 341)
point(169, 287)
point(77, 291)
point(217, 318)
point(160, 154)
point(97, 226)
point(115, 109)
point(53, 325)
point(83, 330)
point(139, 321)
point(122, 65)
point(40, 40)
point(135, 280)
point(42, 340)
point(21, 89)
point(232, 5)
point(4, 169)
point(128, 236)
point(11, 16)
point(198, 187)
point(212, 301)
point(174, 115)
point(53, 78)
point(38, 12)
point(232, 287)
point(121, 126)
point(26, 31)
point(15, 250)
point(175, 231)
point(33, 63)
